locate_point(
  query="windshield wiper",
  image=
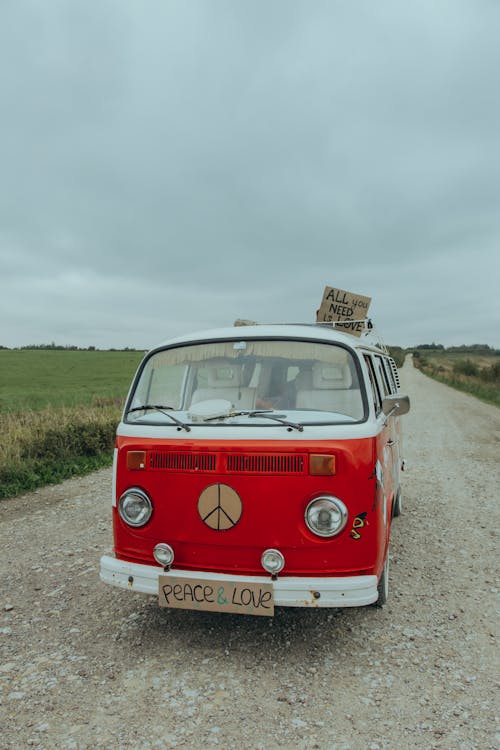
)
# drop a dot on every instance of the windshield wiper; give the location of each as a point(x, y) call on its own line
point(278, 418)
point(266, 413)
point(162, 409)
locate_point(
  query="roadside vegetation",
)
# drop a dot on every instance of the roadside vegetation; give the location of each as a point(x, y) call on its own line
point(398, 354)
point(473, 369)
point(58, 413)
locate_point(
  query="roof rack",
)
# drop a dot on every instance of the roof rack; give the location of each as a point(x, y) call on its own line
point(325, 323)
point(370, 331)
point(367, 324)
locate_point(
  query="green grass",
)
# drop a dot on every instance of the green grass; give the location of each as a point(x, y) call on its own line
point(58, 413)
point(487, 393)
point(34, 378)
point(470, 373)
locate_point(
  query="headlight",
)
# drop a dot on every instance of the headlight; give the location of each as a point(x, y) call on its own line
point(273, 561)
point(326, 516)
point(163, 554)
point(135, 507)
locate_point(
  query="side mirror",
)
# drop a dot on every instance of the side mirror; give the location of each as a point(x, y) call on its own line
point(395, 405)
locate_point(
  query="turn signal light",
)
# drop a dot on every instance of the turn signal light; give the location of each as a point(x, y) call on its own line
point(321, 465)
point(136, 460)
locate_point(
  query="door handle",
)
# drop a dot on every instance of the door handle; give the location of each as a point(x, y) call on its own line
point(391, 442)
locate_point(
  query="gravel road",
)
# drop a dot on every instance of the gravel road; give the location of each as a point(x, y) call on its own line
point(84, 665)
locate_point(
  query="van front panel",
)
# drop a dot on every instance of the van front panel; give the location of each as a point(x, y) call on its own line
point(220, 504)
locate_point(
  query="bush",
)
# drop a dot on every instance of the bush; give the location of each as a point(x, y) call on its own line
point(33, 474)
point(77, 439)
point(398, 355)
point(38, 448)
point(422, 361)
point(491, 373)
point(466, 367)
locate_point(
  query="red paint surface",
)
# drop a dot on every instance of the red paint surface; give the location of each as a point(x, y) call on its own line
point(273, 509)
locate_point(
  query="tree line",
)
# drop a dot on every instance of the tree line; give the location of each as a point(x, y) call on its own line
point(70, 348)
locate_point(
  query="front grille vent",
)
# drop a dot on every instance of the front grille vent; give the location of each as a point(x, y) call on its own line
point(182, 461)
point(232, 463)
point(265, 463)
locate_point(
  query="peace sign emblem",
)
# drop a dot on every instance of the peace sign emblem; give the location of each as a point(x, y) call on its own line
point(219, 507)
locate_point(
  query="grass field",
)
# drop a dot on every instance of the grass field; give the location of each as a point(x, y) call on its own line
point(478, 374)
point(58, 413)
point(37, 378)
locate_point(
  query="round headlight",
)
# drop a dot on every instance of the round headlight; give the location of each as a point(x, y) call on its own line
point(135, 507)
point(273, 561)
point(326, 516)
point(163, 554)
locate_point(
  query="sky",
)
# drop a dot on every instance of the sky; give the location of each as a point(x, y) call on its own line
point(168, 166)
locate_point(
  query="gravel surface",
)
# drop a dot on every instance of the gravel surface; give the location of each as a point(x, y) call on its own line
point(84, 665)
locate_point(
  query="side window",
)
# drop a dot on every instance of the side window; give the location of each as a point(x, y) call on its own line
point(385, 387)
point(377, 400)
point(395, 373)
point(390, 376)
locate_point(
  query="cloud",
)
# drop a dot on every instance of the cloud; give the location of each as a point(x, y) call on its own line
point(175, 164)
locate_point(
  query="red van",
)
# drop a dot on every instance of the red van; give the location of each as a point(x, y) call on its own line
point(258, 466)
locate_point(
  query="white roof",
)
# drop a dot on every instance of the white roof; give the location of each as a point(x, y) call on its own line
point(280, 331)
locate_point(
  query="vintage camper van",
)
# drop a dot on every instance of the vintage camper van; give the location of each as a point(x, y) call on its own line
point(258, 466)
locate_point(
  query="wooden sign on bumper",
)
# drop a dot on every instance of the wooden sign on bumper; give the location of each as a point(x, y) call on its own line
point(216, 596)
point(348, 308)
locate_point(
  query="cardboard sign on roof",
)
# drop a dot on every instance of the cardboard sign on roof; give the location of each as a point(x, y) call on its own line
point(338, 305)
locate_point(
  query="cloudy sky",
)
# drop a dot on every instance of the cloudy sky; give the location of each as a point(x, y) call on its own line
point(171, 165)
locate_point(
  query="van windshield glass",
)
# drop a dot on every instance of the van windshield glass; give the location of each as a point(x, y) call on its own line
point(308, 381)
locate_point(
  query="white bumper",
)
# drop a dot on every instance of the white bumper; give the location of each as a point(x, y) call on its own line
point(353, 591)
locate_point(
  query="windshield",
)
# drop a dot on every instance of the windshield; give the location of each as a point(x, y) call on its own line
point(226, 380)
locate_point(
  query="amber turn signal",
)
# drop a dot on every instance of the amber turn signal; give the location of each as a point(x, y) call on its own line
point(321, 465)
point(136, 460)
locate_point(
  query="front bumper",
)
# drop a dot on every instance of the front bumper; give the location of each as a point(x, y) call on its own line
point(349, 591)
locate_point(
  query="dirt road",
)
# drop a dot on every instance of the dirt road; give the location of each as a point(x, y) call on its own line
point(83, 665)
